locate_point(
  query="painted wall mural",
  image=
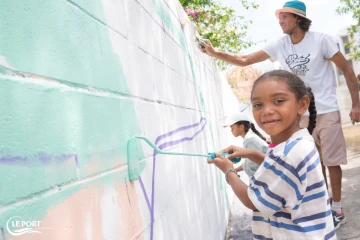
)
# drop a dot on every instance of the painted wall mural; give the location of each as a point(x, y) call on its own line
point(79, 79)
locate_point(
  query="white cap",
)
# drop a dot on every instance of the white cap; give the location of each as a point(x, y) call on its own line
point(236, 117)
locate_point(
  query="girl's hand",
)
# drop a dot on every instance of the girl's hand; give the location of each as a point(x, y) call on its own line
point(221, 162)
point(209, 49)
point(236, 152)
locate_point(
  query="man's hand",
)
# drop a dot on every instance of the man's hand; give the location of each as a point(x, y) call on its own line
point(355, 114)
point(209, 49)
point(351, 83)
point(221, 162)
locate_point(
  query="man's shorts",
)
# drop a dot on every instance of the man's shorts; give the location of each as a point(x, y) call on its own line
point(329, 138)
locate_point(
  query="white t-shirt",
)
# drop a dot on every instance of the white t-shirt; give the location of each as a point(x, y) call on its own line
point(289, 193)
point(309, 59)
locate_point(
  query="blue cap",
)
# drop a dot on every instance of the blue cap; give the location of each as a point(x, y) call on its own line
point(295, 7)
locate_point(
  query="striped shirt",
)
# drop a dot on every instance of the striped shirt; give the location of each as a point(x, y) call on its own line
point(289, 193)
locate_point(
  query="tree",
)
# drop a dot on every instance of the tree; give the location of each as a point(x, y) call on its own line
point(226, 31)
point(241, 80)
point(353, 7)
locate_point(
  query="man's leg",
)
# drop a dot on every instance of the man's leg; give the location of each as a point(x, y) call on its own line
point(335, 174)
point(324, 173)
point(315, 136)
point(333, 152)
point(304, 122)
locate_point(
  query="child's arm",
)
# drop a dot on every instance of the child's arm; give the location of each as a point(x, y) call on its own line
point(238, 186)
point(239, 168)
point(240, 190)
point(256, 157)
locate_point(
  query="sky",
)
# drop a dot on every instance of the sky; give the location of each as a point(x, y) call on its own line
point(266, 27)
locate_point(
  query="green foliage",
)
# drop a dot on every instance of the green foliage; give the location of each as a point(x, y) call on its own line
point(352, 7)
point(226, 31)
point(185, 3)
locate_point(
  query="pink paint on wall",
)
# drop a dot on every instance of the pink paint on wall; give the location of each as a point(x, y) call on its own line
point(81, 216)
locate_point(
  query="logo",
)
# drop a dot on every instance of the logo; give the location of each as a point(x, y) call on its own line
point(338, 219)
point(16, 226)
point(298, 64)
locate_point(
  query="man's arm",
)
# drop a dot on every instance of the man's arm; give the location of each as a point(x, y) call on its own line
point(238, 60)
point(242, 60)
point(351, 82)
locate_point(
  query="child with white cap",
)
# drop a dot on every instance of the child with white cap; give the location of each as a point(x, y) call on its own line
point(241, 125)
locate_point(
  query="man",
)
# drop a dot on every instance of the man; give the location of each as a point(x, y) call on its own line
point(309, 55)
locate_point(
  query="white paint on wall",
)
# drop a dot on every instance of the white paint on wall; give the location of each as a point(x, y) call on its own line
point(180, 86)
point(4, 63)
point(111, 214)
point(88, 226)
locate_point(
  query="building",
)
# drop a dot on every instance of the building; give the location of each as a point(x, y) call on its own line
point(341, 39)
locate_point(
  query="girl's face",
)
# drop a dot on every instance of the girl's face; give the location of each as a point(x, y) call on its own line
point(236, 129)
point(276, 109)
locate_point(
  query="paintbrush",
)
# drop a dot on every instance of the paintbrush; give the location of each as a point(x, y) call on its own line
point(134, 175)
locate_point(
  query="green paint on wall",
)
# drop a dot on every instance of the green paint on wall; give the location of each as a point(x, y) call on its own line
point(58, 121)
point(92, 7)
point(110, 179)
point(169, 23)
point(18, 181)
point(136, 164)
point(55, 39)
point(59, 41)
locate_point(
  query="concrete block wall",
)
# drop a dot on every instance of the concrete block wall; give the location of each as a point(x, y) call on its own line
point(78, 80)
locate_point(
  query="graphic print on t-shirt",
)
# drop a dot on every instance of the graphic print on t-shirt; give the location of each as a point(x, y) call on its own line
point(298, 64)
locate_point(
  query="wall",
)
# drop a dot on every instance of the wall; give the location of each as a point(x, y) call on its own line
point(78, 80)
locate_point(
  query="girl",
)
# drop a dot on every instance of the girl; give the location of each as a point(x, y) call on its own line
point(240, 126)
point(288, 192)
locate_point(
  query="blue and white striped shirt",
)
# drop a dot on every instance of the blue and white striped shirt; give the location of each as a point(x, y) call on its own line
point(290, 193)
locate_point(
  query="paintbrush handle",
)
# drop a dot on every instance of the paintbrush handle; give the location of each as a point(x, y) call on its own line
point(210, 155)
point(158, 150)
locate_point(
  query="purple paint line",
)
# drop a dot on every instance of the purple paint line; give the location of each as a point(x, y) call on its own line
point(179, 130)
point(40, 157)
point(10, 160)
point(152, 199)
point(144, 191)
point(170, 134)
point(164, 145)
point(172, 143)
point(76, 161)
